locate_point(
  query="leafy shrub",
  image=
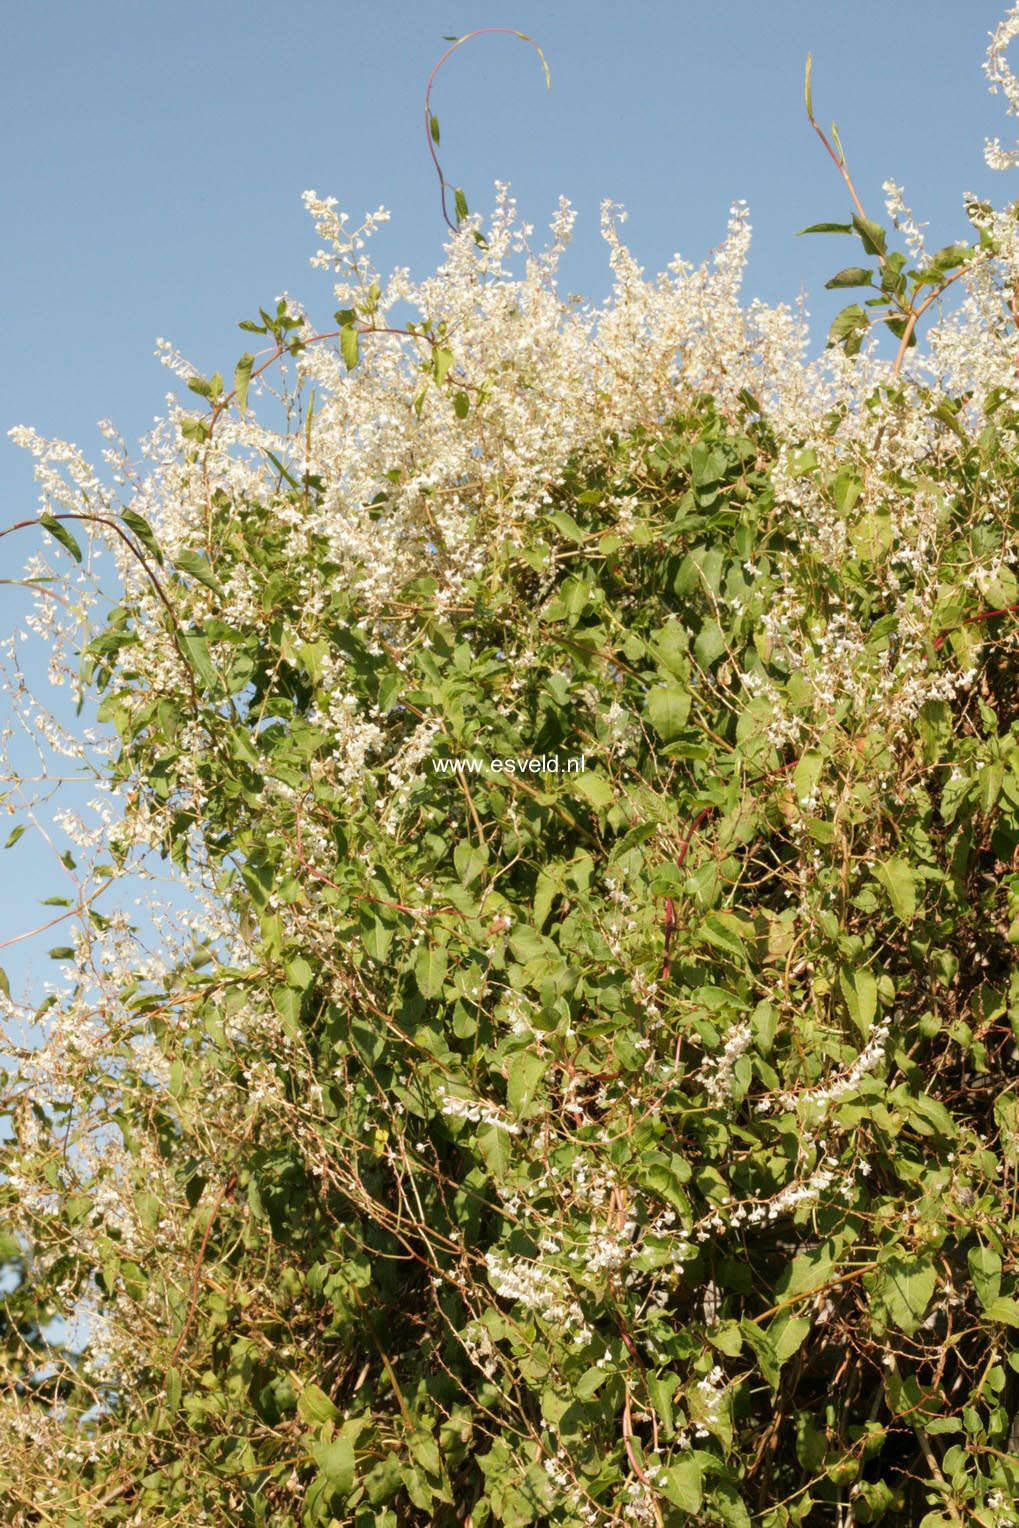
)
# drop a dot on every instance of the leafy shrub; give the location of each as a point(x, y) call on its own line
point(626, 1139)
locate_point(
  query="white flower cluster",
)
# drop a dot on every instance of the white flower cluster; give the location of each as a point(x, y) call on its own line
point(477, 1111)
point(717, 1070)
point(840, 1086)
point(539, 1289)
point(1001, 77)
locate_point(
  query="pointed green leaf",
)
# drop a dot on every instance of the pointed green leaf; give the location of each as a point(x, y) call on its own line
point(143, 530)
point(903, 1286)
point(430, 970)
point(349, 346)
point(195, 564)
point(985, 1271)
point(896, 877)
point(852, 276)
point(469, 860)
point(806, 774)
point(594, 787)
point(242, 377)
point(336, 1461)
point(1005, 1309)
point(525, 1073)
point(62, 534)
point(314, 1406)
point(724, 933)
point(196, 651)
point(848, 328)
point(442, 361)
point(681, 1484)
point(495, 1145)
point(668, 707)
point(872, 235)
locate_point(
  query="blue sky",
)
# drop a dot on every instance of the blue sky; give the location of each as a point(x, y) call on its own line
point(152, 159)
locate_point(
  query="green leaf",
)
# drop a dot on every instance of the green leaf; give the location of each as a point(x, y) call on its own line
point(658, 1177)
point(198, 567)
point(460, 202)
point(314, 1406)
point(567, 526)
point(61, 952)
point(173, 1390)
point(902, 1287)
point(807, 773)
point(16, 833)
point(866, 992)
point(852, 276)
point(826, 228)
point(788, 1335)
point(723, 931)
point(848, 328)
point(442, 360)
point(425, 1452)
point(349, 348)
point(469, 860)
point(196, 651)
point(985, 1271)
point(896, 877)
point(433, 127)
point(668, 707)
point(808, 1272)
point(872, 235)
point(594, 787)
point(336, 1461)
point(461, 405)
point(5, 986)
point(242, 378)
point(525, 1073)
point(1005, 1310)
point(60, 533)
point(660, 1389)
point(496, 1149)
point(859, 988)
point(143, 530)
point(681, 1484)
point(430, 969)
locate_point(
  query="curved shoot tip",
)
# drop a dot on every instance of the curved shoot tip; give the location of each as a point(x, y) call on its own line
point(838, 144)
point(806, 86)
point(544, 61)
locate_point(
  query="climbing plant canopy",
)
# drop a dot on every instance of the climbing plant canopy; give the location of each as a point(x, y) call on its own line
point(575, 1077)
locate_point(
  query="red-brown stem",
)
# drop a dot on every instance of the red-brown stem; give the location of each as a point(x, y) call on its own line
point(917, 313)
point(840, 165)
point(481, 32)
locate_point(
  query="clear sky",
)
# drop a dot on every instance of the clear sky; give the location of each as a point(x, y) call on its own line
point(154, 155)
